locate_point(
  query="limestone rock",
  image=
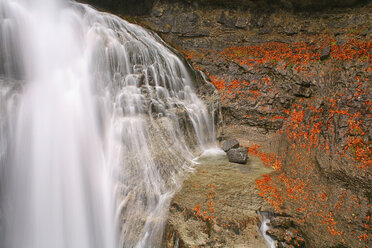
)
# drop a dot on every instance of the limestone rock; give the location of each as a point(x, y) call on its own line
point(301, 91)
point(276, 234)
point(229, 144)
point(279, 221)
point(325, 53)
point(238, 155)
point(241, 22)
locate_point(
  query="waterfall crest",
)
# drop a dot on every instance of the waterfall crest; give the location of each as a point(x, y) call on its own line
point(99, 121)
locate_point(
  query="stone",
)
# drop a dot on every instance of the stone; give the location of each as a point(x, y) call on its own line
point(238, 155)
point(228, 229)
point(241, 22)
point(227, 21)
point(141, 79)
point(301, 91)
point(263, 31)
point(187, 24)
point(222, 18)
point(284, 245)
point(290, 30)
point(285, 222)
point(157, 12)
point(229, 144)
point(289, 236)
point(137, 69)
point(324, 54)
point(276, 234)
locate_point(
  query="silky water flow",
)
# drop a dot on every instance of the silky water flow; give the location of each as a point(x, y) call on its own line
point(99, 122)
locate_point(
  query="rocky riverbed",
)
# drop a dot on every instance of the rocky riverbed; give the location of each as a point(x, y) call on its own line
point(217, 206)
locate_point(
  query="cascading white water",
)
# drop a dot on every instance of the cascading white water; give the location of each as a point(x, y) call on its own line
point(92, 121)
point(265, 227)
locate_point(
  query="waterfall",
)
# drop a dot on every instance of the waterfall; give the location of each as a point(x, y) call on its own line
point(99, 123)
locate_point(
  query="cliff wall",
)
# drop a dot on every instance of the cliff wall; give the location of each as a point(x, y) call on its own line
point(302, 80)
point(144, 7)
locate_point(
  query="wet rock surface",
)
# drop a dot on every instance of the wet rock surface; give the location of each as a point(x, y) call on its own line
point(216, 30)
point(304, 78)
point(284, 232)
point(216, 206)
point(301, 78)
point(229, 144)
point(279, 221)
point(238, 155)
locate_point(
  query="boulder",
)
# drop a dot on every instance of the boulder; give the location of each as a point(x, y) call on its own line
point(157, 12)
point(301, 91)
point(241, 22)
point(276, 234)
point(324, 54)
point(238, 155)
point(229, 144)
point(279, 221)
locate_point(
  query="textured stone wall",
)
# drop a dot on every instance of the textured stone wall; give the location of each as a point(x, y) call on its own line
point(143, 7)
point(303, 77)
point(122, 7)
point(302, 80)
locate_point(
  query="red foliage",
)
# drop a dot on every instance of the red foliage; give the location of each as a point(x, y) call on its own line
point(308, 128)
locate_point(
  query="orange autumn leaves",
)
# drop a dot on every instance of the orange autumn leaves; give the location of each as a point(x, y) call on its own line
point(310, 125)
point(299, 54)
point(233, 89)
point(316, 131)
point(294, 185)
point(305, 128)
point(270, 192)
point(206, 216)
point(355, 144)
point(268, 159)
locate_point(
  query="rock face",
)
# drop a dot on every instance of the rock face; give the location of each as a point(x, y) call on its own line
point(124, 7)
point(279, 221)
point(324, 54)
point(266, 64)
point(143, 7)
point(284, 231)
point(238, 155)
point(216, 207)
point(229, 144)
point(286, 237)
point(301, 78)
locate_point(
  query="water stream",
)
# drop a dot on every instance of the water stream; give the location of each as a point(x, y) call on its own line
point(270, 242)
point(99, 122)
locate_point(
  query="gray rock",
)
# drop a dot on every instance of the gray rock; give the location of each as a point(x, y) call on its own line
point(229, 144)
point(137, 69)
point(222, 18)
point(241, 22)
point(290, 30)
point(157, 12)
point(263, 31)
point(279, 221)
point(238, 155)
point(141, 79)
point(226, 20)
point(276, 234)
point(324, 54)
point(301, 91)
point(187, 24)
